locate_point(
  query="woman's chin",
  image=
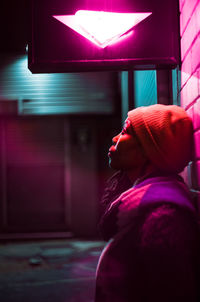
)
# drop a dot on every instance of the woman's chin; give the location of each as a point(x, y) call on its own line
point(113, 165)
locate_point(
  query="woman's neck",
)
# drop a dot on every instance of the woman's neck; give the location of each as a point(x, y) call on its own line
point(140, 173)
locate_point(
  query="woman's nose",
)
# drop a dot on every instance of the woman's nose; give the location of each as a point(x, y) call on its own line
point(115, 138)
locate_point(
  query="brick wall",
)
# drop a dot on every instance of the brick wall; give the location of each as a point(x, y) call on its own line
point(190, 78)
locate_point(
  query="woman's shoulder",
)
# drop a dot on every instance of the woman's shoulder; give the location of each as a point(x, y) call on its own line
point(169, 225)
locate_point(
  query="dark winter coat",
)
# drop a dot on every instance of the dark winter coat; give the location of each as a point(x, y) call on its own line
point(152, 251)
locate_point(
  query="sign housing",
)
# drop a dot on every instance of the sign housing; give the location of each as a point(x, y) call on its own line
point(151, 44)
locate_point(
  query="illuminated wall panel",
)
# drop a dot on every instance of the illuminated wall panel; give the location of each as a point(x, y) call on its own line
point(77, 93)
point(145, 88)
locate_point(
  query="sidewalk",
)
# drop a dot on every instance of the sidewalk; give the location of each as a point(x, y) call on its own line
point(48, 271)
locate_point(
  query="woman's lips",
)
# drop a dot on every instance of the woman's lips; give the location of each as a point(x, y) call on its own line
point(111, 151)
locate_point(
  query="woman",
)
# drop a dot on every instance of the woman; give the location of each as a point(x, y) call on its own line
point(150, 219)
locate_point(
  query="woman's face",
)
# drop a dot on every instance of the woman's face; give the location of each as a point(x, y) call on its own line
point(126, 153)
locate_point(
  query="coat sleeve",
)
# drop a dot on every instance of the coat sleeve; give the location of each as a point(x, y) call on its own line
point(168, 247)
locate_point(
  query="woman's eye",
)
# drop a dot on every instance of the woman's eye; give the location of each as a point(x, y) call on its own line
point(124, 131)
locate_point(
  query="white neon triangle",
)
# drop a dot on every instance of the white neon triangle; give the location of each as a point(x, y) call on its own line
point(102, 28)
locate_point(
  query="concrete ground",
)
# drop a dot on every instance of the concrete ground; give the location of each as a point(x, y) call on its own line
point(49, 270)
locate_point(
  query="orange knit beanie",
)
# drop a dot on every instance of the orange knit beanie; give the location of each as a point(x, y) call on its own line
point(166, 135)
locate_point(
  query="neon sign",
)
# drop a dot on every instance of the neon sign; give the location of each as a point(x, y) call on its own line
point(100, 27)
point(94, 35)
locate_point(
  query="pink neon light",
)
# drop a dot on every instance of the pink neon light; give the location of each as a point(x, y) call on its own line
point(121, 38)
point(102, 28)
